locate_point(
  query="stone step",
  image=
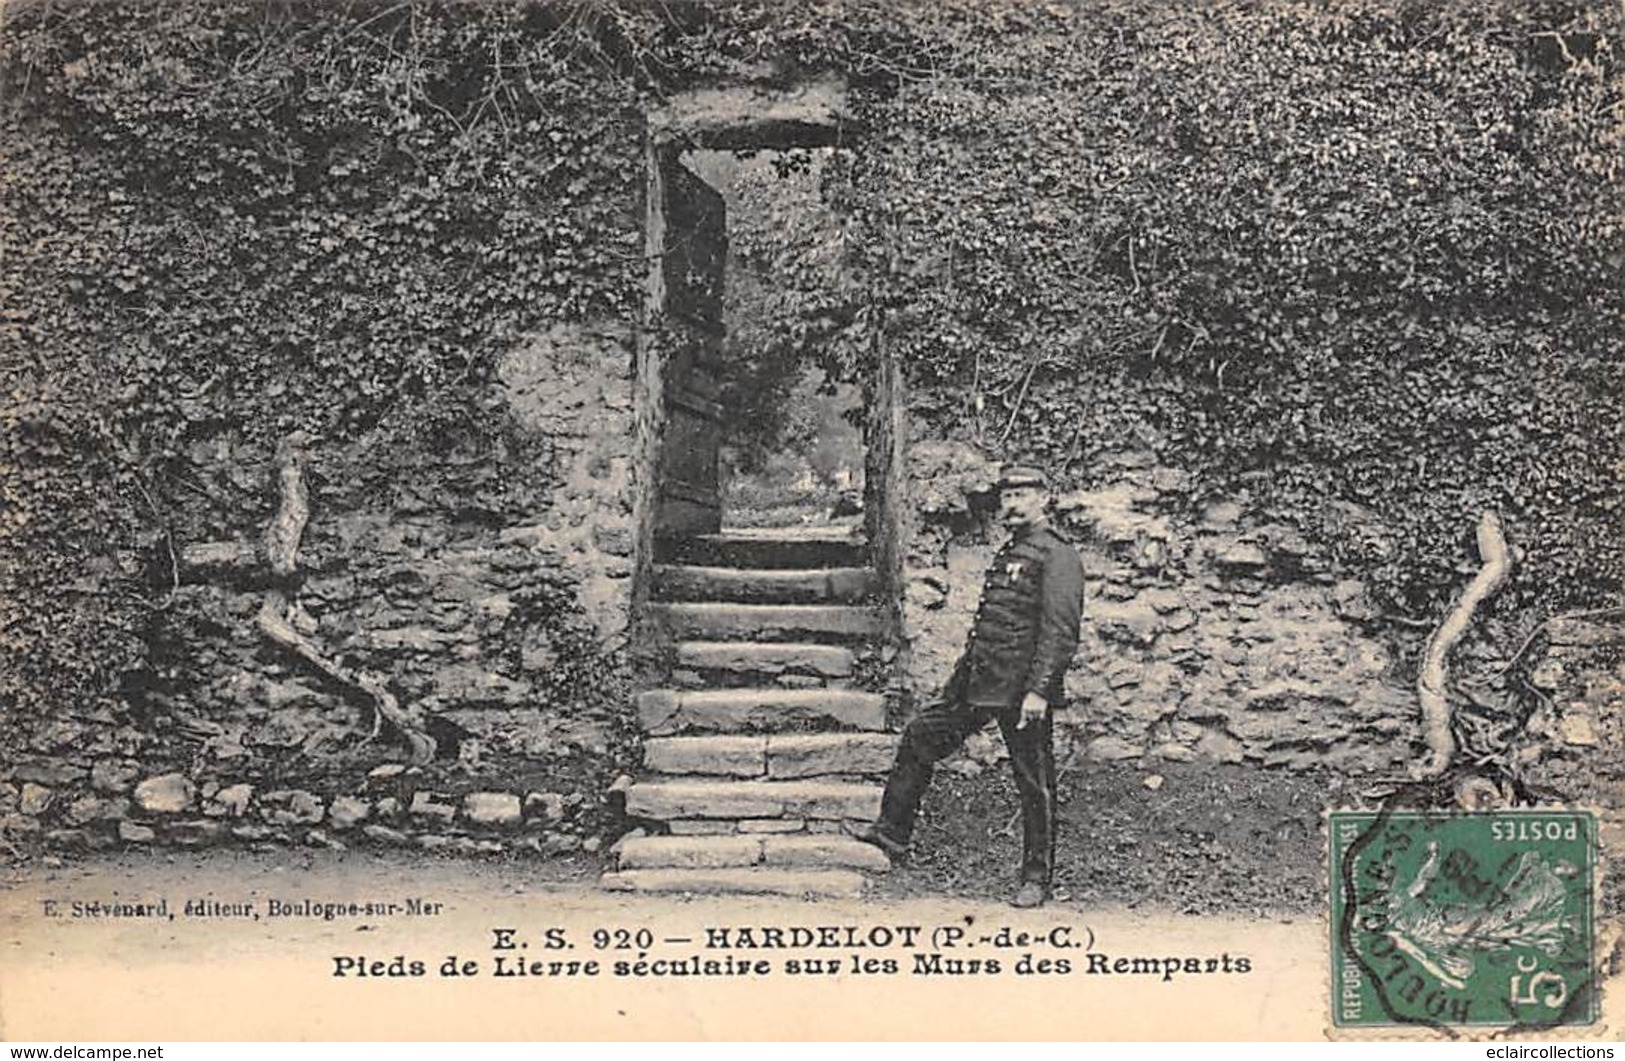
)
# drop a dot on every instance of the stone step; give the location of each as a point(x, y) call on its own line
point(818, 800)
point(776, 756)
point(767, 657)
point(769, 547)
point(831, 585)
point(794, 755)
point(712, 621)
point(684, 678)
point(744, 880)
point(719, 852)
point(667, 712)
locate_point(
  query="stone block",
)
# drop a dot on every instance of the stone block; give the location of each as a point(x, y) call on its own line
point(832, 801)
point(725, 756)
point(346, 812)
point(1240, 555)
point(133, 833)
point(781, 548)
point(84, 810)
point(823, 851)
point(547, 806)
point(694, 800)
point(492, 808)
point(757, 880)
point(1112, 749)
point(383, 834)
point(760, 657)
point(1174, 753)
point(1219, 747)
point(1121, 673)
point(113, 777)
point(18, 825)
point(753, 799)
point(1162, 599)
point(837, 585)
point(427, 805)
point(1185, 732)
point(560, 843)
point(1135, 621)
point(691, 852)
point(195, 833)
point(810, 754)
point(231, 801)
point(293, 807)
point(1576, 730)
point(1263, 728)
point(54, 774)
point(165, 794)
point(716, 622)
point(772, 825)
point(664, 712)
point(701, 827)
point(35, 799)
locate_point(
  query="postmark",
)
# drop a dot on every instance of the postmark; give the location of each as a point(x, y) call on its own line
point(1448, 919)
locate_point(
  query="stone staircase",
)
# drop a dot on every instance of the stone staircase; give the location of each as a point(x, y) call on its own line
point(758, 746)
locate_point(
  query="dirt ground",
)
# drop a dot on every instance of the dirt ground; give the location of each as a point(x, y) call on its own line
point(1205, 840)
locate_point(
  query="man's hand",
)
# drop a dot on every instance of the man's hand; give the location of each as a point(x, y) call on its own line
point(1033, 707)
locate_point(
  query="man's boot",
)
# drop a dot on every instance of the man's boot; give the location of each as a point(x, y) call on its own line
point(1031, 893)
point(876, 836)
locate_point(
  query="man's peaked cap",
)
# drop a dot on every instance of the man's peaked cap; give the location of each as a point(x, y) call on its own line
point(1018, 475)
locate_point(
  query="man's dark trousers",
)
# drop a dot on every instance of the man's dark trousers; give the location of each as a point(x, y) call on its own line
point(942, 727)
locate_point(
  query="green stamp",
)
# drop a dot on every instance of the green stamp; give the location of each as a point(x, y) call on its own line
point(1448, 918)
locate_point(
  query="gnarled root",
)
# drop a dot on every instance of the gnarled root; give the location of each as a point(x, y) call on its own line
point(274, 625)
point(282, 550)
point(1432, 682)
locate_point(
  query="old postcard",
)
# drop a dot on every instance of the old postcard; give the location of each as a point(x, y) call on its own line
point(620, 519)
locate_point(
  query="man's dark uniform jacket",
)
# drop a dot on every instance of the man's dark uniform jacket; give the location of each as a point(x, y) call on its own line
point(1022, 642)
point(1026, 629)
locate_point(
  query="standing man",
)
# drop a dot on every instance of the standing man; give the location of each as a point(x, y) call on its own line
point(1013, 670)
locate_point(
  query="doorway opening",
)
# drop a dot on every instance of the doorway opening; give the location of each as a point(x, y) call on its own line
point(755, 394)
point(769, 415)
point(790, 446)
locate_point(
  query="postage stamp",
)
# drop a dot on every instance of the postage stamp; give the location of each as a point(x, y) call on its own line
point(1452, 919)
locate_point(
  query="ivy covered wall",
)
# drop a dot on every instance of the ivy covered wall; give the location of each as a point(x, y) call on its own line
point(1359, 254)
point(1355, 266)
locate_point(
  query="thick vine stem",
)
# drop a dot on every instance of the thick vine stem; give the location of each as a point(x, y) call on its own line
point(274, 625)
point(282, 534)
point(281, 541)
point(1432, 682)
